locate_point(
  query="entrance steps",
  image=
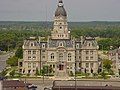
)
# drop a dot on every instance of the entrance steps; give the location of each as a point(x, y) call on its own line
point(61, 75)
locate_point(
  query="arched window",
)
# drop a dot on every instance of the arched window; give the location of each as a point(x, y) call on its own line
point(52, 56)
point(61, 57)
point(69, 56)
point(32, 44)
point(61, 44)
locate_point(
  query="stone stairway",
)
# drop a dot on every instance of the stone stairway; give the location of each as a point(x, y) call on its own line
point(61, 75)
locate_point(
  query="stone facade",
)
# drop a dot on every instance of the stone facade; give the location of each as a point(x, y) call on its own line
point(61, 52)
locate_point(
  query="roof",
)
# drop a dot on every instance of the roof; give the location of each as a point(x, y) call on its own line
point(115, 51)
point(60, 10)
point(88, 87)
point(56, 43)
point(14, 83)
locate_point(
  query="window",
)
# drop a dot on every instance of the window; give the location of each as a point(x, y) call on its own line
point(87, 52)
point(43, 51)
point(89, 44)
point(32, 44)
point(29, 52)
point(43, 45)
point(34, 65)
point(52, 56)
point(91, 52)
point(34, 57)
point(29, 65)
point(69, 57)
point(43, 56)
point(60, 27)
point(87, 65)
point(91, 58)
point(91, 65)
point(87, 58)
point(53, 66)
point(61, 57)
point(77, 45)
point(61, 44)
point(29, 58)
point(34, 52)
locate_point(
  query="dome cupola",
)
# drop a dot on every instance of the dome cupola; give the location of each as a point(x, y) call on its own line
point(60, 10)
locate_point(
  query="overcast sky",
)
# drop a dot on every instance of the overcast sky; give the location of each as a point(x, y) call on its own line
point(42, 10)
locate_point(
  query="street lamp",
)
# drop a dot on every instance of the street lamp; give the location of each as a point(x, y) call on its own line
point(75, 77)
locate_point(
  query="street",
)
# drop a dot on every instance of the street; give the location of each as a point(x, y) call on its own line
point(3, 59)
point(40, 84)
point(49, 83)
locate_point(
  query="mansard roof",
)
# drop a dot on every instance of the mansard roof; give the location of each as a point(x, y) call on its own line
point(115, 51)
point(89, 42)
point(60, 11)
point(31, 41)
point(55, 43)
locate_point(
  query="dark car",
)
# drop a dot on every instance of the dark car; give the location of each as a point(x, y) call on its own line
point(32, 87)
point(3, 77)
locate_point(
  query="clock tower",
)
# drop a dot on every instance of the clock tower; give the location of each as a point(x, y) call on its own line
point(60, 30)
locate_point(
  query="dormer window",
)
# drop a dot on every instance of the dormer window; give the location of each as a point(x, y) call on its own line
point(77, 45)
point(32, 44)
point(43, 46)
point(89, 44)
point(61, 44)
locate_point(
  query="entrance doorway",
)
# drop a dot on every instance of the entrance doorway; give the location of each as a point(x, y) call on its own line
point(61, 67)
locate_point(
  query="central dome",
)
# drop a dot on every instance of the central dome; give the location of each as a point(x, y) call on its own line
point(60, 10)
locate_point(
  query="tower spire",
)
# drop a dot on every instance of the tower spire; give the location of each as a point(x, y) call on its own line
point(60, 3)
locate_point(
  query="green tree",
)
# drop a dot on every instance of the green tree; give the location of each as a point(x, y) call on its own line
point(46, 70)
point(107, 64)
point(3, 73)
point(37, 72)
point(19, 53)
point(13, 61)
point(103, 74)
point(12, 73)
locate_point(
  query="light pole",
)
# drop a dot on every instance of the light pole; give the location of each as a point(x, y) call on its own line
point(75, 77)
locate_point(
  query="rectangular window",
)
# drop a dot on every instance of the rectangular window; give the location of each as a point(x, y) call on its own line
point(43, 56)
point(34, 52)
point(91, 58)
point(91, 52)
point(87, 58)
point(29, 65)
point(29, 52)
point(34, 65)
point(87, 65)
point(91, 65)
point(43, 50)
point(29, 58)
point(87, 52)
point(34, 57)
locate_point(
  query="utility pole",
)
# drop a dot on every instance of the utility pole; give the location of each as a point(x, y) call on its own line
point(75, 77)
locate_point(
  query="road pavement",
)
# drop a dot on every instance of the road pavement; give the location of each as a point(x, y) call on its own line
point(49, 83)
point(3, 59)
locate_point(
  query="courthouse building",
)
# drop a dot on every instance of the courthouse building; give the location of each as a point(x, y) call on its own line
point(60, 51)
